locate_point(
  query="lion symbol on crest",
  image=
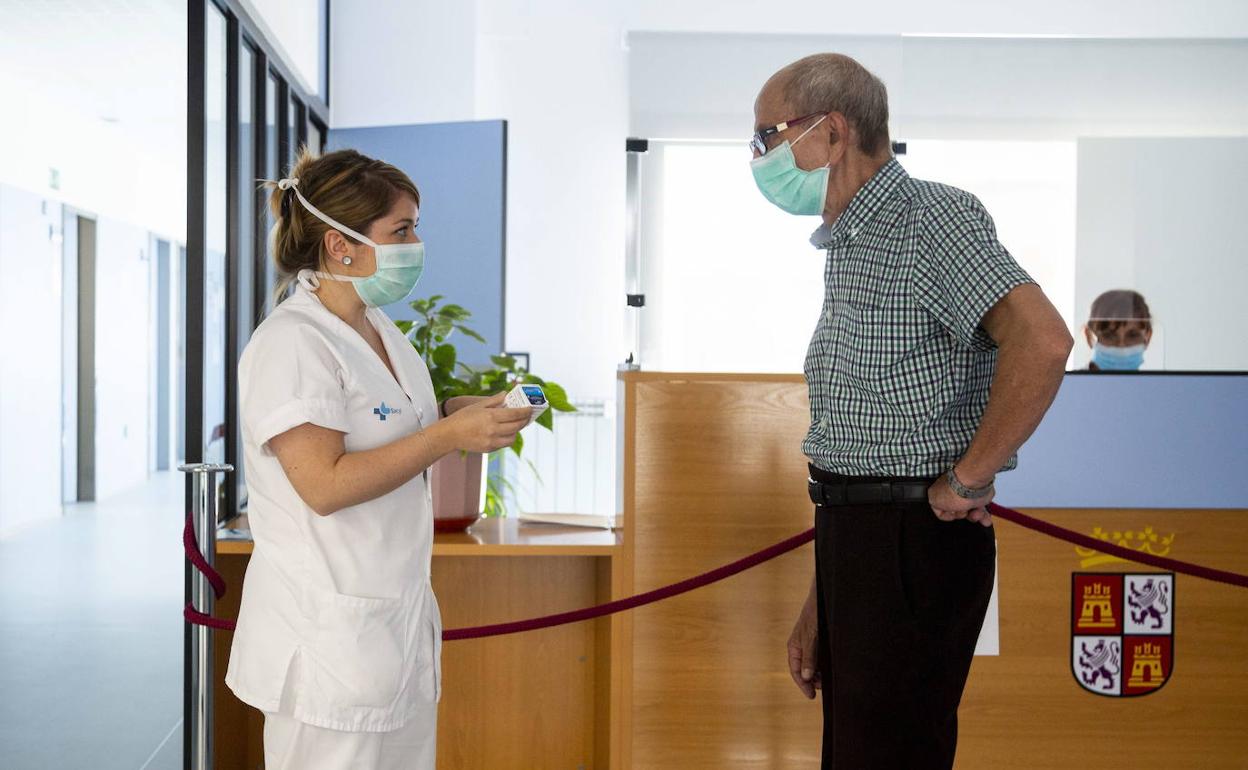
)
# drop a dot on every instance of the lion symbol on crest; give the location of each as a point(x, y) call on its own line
point(1101, 662)
point(1149, 602)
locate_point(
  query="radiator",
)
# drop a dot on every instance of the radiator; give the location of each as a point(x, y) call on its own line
point(568, 470)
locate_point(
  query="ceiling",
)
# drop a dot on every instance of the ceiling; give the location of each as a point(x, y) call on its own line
point(114, 60)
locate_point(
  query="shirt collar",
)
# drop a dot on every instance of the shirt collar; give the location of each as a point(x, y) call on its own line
point(866, 204)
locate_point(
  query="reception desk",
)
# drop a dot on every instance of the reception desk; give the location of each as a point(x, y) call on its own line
point(552, 697)
point(712, 470)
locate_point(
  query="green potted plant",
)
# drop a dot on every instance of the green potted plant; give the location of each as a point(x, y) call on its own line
point(456, 478)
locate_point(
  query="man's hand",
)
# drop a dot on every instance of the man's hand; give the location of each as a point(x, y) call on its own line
point(949, 506)
point(803, 662)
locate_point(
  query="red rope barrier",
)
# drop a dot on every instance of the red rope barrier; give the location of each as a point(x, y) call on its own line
point(720, 573)
point(649, 597)
point(1139, 557)
point(196, 557)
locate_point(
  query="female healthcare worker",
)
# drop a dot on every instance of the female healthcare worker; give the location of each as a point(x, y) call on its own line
point(339, 634)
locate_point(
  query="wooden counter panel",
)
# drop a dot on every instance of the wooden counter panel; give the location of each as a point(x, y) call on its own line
point(507, 702)
point(719, 474)
point(715, 472)
point(511, 701)
point(1023, 708)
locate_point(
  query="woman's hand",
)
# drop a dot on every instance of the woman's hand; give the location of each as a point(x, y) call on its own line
point(456, 403)
point(485, 425)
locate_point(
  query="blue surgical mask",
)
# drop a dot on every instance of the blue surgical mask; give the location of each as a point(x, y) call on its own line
point(794, 190)
point(1111, 359)
point(399, 265)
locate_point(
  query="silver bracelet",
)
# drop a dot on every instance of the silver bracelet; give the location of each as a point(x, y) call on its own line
point(963, 491)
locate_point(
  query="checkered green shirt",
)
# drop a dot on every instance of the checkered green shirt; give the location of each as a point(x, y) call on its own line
point(899, 367)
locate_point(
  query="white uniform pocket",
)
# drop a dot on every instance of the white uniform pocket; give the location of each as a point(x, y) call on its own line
point(359, 649)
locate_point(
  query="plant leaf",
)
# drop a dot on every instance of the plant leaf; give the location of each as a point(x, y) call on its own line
point(546, 420)
point(444, 356)
point(558, 397)
point(518, 445)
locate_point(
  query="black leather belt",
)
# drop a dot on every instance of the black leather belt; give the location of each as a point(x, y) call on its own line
point(828, 495)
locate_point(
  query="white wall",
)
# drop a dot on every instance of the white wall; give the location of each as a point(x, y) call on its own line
point(698, 86)
point(556, 71)
point(1167, 217)
point(98, 92)
point(398, 63)
point(1063, 89)
point(122, 356)
point(560, 73)
point(112, 169)
point(30, 358)
point(1111, 18)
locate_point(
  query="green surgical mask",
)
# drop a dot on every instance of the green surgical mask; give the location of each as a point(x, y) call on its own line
point(792, 189)
point(399, 265)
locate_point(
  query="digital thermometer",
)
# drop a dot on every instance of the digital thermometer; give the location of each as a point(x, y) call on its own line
point(530, 396)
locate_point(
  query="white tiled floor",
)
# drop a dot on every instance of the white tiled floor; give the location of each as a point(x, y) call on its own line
point(91, 635)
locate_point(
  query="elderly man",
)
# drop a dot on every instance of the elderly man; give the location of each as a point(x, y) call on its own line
point(934, 359)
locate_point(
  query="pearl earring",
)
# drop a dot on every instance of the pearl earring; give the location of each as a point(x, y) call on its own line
point(346, 260)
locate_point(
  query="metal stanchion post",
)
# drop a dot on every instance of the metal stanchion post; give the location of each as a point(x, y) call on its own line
point(204, 519)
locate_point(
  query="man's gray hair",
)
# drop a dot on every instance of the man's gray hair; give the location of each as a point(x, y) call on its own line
point(832, 82)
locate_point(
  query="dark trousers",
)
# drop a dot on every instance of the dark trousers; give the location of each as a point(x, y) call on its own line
point(902, 597)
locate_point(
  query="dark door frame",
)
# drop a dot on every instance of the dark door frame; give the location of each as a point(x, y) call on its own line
point(241, 29)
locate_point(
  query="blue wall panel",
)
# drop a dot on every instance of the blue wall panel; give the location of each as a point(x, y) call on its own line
point(1137, 441)
point(460, 170)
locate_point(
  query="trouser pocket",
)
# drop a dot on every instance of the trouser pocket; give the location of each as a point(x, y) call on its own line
point(945, 571)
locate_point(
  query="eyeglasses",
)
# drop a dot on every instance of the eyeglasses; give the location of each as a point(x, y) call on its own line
point(758, 144)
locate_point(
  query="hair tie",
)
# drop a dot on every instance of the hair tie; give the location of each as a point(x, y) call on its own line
point(286, 186)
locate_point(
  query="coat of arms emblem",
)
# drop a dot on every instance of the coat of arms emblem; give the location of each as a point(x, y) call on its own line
point(1122, 632)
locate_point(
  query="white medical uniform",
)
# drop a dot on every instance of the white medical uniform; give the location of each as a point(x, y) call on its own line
point(339, 636)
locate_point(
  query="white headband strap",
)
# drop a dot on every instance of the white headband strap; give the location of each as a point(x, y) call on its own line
point(293, 184)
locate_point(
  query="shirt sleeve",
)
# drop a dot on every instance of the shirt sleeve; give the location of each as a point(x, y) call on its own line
point(963, 269)
point(289, 377)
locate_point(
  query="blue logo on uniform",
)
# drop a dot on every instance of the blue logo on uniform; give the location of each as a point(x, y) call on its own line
point(383, 410)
